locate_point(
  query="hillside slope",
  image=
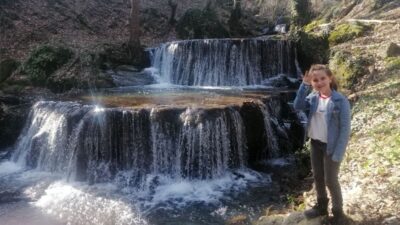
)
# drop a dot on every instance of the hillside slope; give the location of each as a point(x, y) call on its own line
point(370, 174)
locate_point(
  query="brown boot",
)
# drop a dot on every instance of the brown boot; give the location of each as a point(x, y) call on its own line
point(320, 209)
point(339, 218)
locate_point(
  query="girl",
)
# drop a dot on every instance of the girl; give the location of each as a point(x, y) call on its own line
point(329, 130)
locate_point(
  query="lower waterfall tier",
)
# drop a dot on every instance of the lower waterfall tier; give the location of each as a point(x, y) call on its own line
point(130, 135)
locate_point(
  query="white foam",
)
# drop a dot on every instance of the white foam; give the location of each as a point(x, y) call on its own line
point(82, 204)
point(8, 167)
point(183, 192)
point(155, 73)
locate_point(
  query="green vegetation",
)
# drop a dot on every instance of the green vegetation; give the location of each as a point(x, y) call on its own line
point(313, 25)
point(236, 28)
point(349, 69)
point(44, 61)
point(346, 32)
point(88, 65)
point(376, 130)
point(301, 12)
point(392, 63)
point(312, 49)
point(196, 23)
point(7, 67)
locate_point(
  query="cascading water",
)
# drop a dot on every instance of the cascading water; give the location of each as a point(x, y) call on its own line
point(145, 150)
point(226, 62)
point(95, 144)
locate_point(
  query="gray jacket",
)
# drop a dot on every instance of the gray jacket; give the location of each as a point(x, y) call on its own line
point(338, 118)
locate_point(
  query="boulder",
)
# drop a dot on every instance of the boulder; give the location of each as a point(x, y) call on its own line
point(393, 50)
point(282, 81)
point(281, 28)
point(295, 218)
point(127, 76)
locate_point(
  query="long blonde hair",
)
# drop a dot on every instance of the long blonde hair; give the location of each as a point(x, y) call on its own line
point(316, 67)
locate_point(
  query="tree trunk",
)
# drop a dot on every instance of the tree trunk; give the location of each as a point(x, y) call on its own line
point(134, 25)
point(135, 50)
point(173, 5)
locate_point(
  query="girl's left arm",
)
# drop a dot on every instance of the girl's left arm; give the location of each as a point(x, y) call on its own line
point(344, 131)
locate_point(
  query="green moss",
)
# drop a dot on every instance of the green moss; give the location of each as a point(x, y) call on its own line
point(346, 32)
point(348, 69)
point(44, 61)
point(7, 67)
point(313, 25)
point(196, 23)
point(392, 63)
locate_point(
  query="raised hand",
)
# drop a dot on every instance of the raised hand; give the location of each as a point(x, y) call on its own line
point(307, 78)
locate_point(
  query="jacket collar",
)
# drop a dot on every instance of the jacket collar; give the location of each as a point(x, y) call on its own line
point(335, 96)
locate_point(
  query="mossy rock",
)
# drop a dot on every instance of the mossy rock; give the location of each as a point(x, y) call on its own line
point(7, 67)
point(197, 24)
point(392, 63)
point(314, 25)
point(44, 61)
point(393, 50)
point(346, 32)
point(349, 69)
point(312, 49)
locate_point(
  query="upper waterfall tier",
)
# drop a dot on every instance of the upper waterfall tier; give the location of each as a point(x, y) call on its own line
point(224, 62)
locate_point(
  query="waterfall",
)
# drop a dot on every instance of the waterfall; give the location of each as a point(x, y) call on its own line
point(95, 144)
point(156, 146)
point(224, 62)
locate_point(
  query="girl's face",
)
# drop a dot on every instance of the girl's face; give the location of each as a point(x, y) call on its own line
point(320, 81)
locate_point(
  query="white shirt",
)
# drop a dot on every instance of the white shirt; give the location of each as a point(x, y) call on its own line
point(318, 129)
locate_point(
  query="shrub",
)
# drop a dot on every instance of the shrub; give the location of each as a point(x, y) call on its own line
point(346, 32)
point(7, 67)
point(301, 12)
point(392, 63)
point(44, 61)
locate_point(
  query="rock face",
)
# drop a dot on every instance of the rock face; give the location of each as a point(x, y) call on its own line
point(13, 113)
